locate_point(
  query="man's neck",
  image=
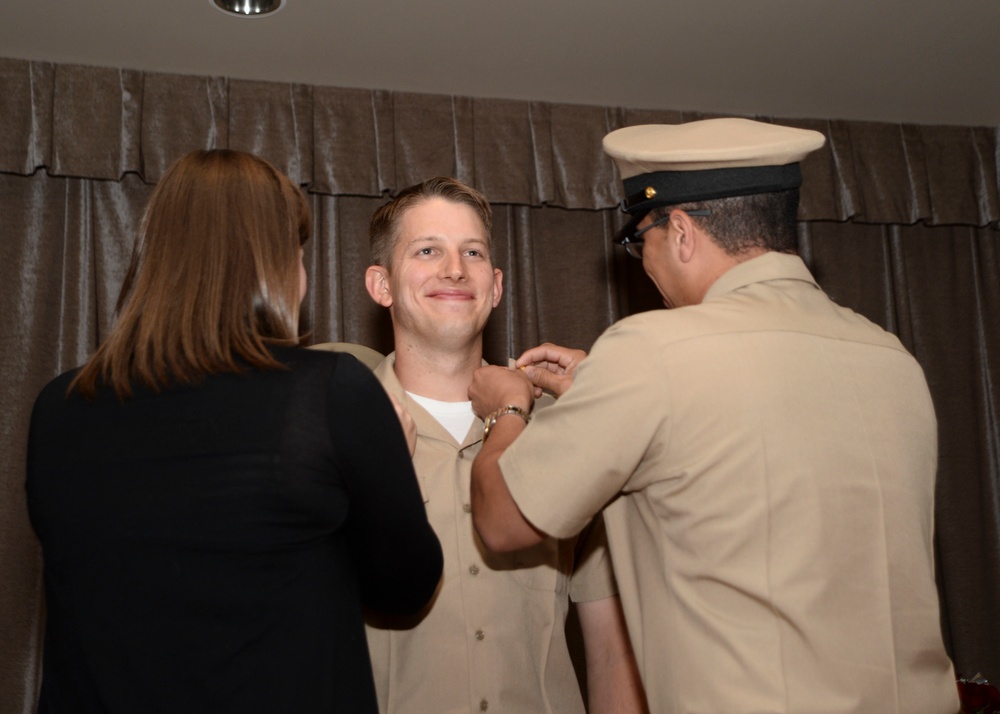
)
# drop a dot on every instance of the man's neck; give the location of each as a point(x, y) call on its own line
point(723, 262)
point(437, 373)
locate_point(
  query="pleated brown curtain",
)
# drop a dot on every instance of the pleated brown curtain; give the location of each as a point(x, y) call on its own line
point(898, 222)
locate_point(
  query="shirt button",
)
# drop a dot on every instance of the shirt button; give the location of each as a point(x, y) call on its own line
point(480, 635)
point(468, 509)
point(483, 705)
point(474, 569)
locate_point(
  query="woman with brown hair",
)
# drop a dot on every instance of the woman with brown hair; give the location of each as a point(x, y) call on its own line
point(216, 504)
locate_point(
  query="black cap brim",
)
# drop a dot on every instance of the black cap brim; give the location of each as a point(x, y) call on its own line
point(669, 188)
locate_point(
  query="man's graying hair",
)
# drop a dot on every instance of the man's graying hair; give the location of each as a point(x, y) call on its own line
point(741, 223)
point(383, 230)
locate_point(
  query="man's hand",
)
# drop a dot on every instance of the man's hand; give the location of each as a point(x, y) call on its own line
point(550, 367)
point(494, 387)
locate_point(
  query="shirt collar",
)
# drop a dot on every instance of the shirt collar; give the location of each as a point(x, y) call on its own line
point(769, 266)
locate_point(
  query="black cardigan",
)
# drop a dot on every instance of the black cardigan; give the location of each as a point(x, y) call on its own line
point(210, 548)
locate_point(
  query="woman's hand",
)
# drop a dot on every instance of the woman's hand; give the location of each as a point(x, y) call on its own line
point(406, 421)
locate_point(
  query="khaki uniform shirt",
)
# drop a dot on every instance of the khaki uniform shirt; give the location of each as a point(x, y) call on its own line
point(772, 457)
point(493, 639)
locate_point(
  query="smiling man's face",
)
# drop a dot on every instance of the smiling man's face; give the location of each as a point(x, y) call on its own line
point(442, 284)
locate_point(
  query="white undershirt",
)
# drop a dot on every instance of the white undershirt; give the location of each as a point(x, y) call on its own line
point(456, 417)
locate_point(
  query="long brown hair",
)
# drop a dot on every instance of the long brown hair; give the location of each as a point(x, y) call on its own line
point(213, 279)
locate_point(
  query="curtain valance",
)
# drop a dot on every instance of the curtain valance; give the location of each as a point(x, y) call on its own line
point(101, 123)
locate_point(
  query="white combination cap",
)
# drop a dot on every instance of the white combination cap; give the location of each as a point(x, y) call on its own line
point(667, 164)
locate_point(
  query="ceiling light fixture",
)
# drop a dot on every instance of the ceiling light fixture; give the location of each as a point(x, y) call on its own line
point(248, 8)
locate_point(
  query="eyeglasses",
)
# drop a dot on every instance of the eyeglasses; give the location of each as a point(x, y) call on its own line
point(633, 241)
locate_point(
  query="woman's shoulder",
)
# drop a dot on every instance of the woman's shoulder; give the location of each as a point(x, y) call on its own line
point(57, 389)
point(338, 370)
point(307, 359)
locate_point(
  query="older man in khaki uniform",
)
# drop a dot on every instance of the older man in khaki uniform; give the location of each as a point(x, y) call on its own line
point(768, 458)
point(493, 638)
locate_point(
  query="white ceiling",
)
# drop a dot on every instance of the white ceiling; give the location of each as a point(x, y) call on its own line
point(914, 61)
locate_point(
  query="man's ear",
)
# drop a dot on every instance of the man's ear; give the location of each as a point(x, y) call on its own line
point(497, 286)
point(377, 284)
point(686, 235)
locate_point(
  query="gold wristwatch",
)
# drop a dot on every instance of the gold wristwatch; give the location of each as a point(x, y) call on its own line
point(502, 411)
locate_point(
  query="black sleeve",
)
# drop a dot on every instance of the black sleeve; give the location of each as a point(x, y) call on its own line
point(397, 553)
point(43, 428)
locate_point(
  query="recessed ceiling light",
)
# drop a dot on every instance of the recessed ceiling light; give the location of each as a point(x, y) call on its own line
point(248, 8)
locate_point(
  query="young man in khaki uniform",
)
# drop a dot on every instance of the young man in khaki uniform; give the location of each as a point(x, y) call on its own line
point(770, 457)
point(493, 639)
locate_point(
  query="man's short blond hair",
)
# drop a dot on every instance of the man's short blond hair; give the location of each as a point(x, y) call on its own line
point(383, 230)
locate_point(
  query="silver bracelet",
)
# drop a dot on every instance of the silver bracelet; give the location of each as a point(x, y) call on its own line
point(503, 411)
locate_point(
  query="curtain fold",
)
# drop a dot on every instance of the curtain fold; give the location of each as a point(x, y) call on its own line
point(898, 222)
point(179, 114)
point(345, 134)
point(274, 121)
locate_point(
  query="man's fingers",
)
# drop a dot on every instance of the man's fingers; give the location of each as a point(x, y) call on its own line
point(549, 381)
point(553, 358)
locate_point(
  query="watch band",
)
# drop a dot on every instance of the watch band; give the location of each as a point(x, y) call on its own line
point(491, 419)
